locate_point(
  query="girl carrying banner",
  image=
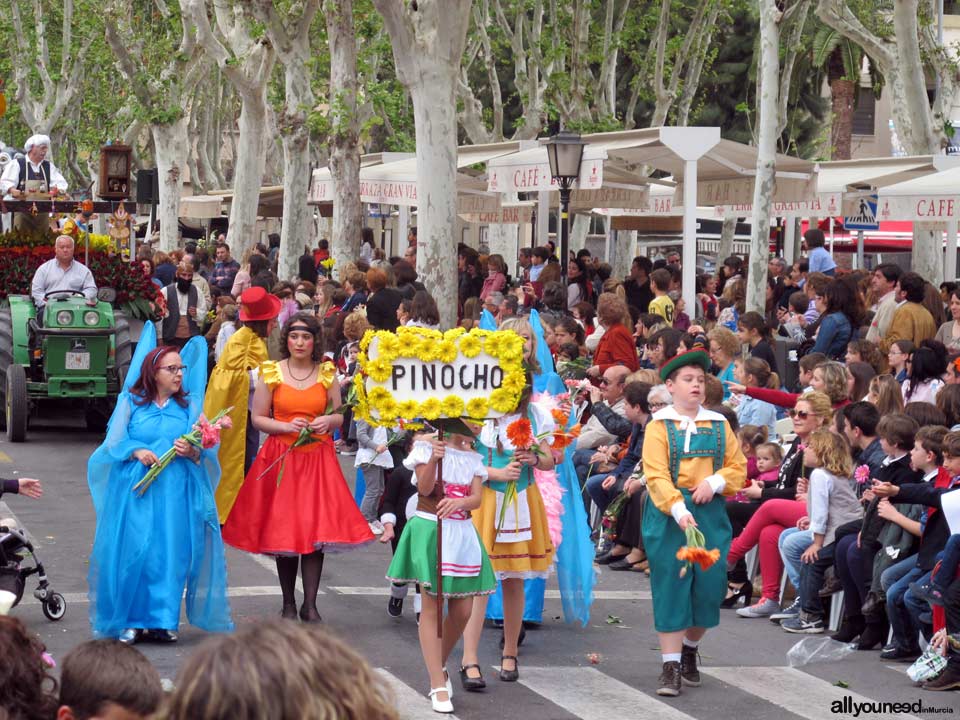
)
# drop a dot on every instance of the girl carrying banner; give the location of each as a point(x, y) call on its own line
point(465, 568)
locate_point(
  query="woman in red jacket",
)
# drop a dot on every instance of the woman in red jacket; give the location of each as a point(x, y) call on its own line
point(617, 346)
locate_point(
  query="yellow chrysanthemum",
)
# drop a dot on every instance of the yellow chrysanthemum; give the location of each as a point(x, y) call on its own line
point(362, 360)
point(388, 409)
point(452, 406)
point(446, 351)
point(514, 382)
point(388, 346)
point(477, 408)
point(430, 409)
point(409, 409)
point(366, 339)
point(470, 346)
point(378, 395)
point(380, 369)
point(493, 344)
point(454, 333)
point(427, 350)
point(502, 400)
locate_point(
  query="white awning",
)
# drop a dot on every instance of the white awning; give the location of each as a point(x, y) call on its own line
point(931, 198)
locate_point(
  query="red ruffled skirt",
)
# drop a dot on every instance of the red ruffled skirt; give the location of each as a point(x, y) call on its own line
point(311, 509)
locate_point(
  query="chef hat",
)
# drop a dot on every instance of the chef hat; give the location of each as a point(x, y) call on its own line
point(34, 140)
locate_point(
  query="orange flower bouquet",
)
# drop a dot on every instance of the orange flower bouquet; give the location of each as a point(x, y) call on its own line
point(695, 551)
point(520, 434)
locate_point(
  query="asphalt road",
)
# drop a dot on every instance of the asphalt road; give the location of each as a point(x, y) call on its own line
point(745, 661)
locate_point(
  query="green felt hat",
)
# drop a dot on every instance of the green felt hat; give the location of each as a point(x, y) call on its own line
point(691, 357)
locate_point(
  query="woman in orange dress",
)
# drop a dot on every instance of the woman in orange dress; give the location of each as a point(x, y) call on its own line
point(295, 503)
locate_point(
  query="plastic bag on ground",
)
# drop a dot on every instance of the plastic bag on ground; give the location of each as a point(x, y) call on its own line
point(818, 649)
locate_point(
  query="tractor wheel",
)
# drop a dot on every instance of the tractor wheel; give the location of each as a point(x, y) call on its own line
point(97, 417)
point(16, 403)
point(6, 357)
point(124, 347)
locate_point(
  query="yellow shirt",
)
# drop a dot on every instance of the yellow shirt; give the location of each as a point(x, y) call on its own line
point(656, 461)
point(664, 307)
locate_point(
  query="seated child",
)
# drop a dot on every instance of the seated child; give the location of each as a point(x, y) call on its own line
point(751, 437)
point(103, 679)
point(769, 457)
point(934, 591)
point(755, 373)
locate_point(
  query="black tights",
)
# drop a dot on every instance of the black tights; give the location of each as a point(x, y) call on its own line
point(311, 568)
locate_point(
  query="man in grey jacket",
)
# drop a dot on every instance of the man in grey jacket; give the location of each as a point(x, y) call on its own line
point(608, 423)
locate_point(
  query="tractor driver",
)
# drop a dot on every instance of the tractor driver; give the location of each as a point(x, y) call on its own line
point(64, 274)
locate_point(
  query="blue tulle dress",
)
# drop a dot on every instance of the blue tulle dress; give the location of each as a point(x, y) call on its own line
point(148, 549)
point(575, 571)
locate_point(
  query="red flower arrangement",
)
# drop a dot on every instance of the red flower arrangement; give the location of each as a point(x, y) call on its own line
point(137, 295)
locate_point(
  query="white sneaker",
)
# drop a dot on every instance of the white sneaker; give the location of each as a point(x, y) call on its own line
point(764, 608)
point(440, 706)
point(376, 527)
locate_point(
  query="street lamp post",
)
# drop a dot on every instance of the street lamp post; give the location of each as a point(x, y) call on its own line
point(565, 152)
point(384, 211)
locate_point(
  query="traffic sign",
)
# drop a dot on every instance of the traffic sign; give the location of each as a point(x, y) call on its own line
point(866, 217)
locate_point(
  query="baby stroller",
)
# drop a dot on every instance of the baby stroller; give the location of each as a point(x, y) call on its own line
point(14, 548)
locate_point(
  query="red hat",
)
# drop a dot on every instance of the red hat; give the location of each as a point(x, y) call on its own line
point(257, 304)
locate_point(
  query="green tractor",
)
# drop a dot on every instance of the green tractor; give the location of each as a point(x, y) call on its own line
point(80, 353)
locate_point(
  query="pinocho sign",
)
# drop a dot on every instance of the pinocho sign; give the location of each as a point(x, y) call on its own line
point(421, 374)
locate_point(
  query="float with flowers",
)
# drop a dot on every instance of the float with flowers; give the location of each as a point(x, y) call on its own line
point(77, 352)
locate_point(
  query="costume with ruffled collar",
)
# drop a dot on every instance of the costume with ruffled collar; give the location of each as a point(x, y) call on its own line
point(679, 453)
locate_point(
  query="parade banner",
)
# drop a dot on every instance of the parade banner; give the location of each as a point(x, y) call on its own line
point(421, 374)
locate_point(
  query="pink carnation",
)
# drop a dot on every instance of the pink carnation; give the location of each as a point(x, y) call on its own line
point(862, 474)
point(209, 435)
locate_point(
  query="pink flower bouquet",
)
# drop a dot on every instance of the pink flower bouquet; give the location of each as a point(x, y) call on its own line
point(205, 435)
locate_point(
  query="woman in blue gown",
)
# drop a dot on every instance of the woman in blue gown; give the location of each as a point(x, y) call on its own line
point(148, 548)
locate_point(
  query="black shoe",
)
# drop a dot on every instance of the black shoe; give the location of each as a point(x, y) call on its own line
point(289, 612)
point(901, 654)
point(929, 592)
point(395, 607)
point(734, 594)
point(608, 557)
point(520, 639)
point(872, 635)
point(670, 679)
point(472, 684)
point(159, 635)
point(510, 675)
point(688, 667)
point(310, 616)
point(949, 679)
point(850, 629)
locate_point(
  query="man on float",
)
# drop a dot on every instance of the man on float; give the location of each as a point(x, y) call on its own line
point(30, 175)
point(62, 274)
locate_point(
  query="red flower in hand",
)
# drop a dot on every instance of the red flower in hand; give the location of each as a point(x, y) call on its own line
point(520, 433)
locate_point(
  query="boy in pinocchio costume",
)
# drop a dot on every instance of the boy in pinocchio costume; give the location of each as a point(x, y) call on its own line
point(691, 458)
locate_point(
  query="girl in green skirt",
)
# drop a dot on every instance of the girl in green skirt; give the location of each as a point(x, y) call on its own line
point(465, 569)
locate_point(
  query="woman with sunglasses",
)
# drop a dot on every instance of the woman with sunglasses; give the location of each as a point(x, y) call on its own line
point(773, 508)
point(149, 547)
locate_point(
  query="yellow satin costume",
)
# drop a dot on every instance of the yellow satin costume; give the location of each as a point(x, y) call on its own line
point(230, 386)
